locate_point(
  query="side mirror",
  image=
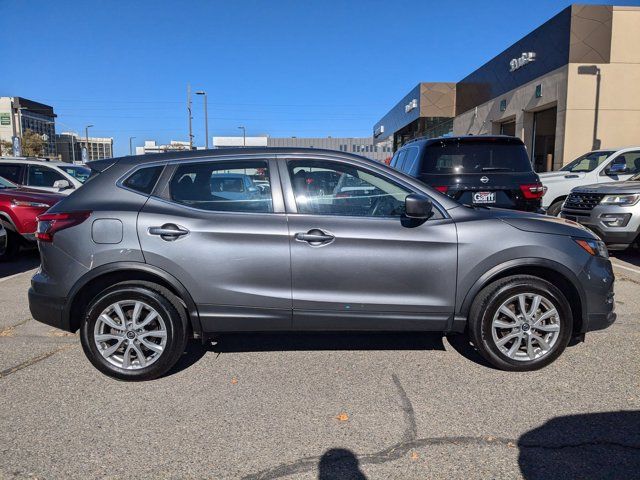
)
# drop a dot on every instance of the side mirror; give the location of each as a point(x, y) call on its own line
point(61, 184)
point(418, 206)
point(618, 166)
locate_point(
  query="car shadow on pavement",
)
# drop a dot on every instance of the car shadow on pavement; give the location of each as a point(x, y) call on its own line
point(24, 261)
point(589, 446)
point(312, 341)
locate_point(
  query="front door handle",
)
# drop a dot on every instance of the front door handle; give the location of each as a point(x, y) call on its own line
point(315, 237)
point(168, 231)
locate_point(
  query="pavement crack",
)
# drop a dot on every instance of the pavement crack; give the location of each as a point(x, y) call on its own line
point(33, 361)
point(410, 441)
point(8, 331)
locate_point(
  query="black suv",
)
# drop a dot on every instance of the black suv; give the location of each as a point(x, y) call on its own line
point(485, 170)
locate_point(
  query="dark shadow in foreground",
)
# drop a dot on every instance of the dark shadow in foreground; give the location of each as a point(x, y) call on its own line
point(339, 464)
point(589, 446)
point(313, 341)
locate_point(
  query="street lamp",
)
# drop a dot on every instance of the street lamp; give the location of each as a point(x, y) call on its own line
point(131, 145)
point(206, 117)
point(244, 135)
point(86, 136)
point(593, 70)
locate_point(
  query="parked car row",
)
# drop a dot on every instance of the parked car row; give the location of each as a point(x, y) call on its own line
point(600, 189)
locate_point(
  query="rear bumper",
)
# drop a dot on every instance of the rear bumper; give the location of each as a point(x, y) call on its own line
point(48, 310)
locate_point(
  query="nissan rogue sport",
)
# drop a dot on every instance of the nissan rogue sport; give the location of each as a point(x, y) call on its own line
point(149, 253)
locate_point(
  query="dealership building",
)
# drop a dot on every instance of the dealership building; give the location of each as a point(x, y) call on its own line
point(571, 85)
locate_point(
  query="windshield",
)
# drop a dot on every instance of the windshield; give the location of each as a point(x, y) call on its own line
point(587, 162)
point(79, 173)
point(475, 157)
point(4, 183)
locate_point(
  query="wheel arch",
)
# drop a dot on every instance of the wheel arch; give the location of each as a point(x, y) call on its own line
point(553, 272)
point(93, 282)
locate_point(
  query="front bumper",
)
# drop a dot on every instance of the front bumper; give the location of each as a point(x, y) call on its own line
point(48, 310)
point(616, 238)
point(597, 279)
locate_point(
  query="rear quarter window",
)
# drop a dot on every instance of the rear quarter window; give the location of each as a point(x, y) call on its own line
point(144, 179)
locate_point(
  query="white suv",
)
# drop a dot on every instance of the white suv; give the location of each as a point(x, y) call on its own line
point(599, 166)
point(44, 175)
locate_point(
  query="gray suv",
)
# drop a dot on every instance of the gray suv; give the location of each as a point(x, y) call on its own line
point(149, 253)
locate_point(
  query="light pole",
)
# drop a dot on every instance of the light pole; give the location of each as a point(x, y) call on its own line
point(593, 70)
point(190, 116)
point(206, 117)
point(86, 137)
point(244, 135)
point(131, 145)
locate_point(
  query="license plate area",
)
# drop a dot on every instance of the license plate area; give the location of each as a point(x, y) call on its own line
point(484, 197)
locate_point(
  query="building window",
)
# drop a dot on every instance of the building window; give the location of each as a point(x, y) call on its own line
point(503, 105)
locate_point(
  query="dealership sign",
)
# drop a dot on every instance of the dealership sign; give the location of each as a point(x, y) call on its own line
point(5, 118)
point(378, 131)
point(411, 105)
point(521, 61)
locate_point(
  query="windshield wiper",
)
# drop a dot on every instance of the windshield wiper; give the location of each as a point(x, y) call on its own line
point(495, 169)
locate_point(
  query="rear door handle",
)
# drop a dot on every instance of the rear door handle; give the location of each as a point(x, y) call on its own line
point(314, 237)
point(168, 231)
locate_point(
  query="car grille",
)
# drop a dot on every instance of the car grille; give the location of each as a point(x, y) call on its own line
point(582, 201)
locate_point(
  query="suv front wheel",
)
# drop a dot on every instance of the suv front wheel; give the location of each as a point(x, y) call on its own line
point(520, 323)
point(134, 331)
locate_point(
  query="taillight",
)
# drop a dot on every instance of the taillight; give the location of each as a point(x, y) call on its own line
point(533, 191)
point(442, 188)
point(50, 223)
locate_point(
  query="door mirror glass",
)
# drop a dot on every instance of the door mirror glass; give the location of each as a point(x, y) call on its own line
point(418, 206)
point(618, 166)
point(61, 184)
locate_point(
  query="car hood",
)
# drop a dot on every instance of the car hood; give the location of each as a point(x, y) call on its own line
point(536, 223)
point(30, 195)
point(611, 187)
point(556, 177)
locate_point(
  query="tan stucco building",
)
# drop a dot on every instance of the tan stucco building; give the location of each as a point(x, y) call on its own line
point(569, 86)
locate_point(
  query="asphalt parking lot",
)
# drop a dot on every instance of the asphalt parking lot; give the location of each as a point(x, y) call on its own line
point(329, 406)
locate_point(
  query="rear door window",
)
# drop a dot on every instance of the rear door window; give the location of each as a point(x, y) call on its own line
point(12, 172)
point(223, 186)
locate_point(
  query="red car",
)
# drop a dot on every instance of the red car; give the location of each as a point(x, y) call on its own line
point(19, 208)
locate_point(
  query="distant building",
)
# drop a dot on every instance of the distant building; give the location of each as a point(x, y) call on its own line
point(70, 146)
point(150, 146)
point(17, 115)
point(360, 145)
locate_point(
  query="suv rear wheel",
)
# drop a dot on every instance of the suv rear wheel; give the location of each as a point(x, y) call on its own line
point(520, 323)
point(134, 331)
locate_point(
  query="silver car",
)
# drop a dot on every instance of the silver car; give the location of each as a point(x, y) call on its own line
point(147, 255)
point(611, 210)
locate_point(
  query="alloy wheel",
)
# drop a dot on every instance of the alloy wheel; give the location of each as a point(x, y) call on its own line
point(526, 326)
point(130, 334)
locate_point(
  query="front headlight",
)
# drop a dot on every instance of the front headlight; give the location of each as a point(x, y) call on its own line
point(622, 200)
point(597, 248)
point(22, 203)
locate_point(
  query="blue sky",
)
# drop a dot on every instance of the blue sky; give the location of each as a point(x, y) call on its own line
point(283, 68)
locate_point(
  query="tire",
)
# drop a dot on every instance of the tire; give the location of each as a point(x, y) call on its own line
point(125, 362)
point(523, 351)
point(10, 248)
point(555, 207)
